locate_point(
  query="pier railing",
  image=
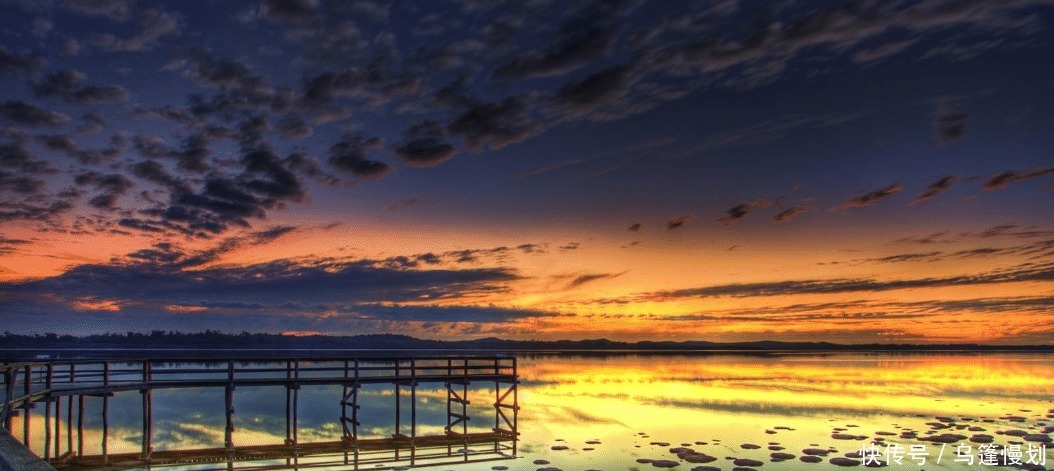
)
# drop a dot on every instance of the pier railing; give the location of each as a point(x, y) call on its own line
point(68, 383)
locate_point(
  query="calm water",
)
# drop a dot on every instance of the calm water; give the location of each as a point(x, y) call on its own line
point(611, 411)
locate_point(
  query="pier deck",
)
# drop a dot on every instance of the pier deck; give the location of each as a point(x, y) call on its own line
point(62, 386)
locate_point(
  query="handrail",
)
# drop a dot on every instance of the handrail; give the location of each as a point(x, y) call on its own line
point(41, 379)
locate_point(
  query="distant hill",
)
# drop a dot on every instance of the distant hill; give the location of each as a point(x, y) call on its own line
point(13, 346)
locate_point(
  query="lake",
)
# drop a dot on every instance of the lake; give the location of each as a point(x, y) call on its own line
point(625, 411)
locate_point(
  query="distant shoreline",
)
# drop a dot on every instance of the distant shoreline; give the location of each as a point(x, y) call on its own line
point(216, 344)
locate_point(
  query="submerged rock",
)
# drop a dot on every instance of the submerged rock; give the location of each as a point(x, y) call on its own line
point(747, 462)
point(782, 456)
point(665, 464)
point(982, 438)
point(842, 461)
point(749, 446)
point(811, 459)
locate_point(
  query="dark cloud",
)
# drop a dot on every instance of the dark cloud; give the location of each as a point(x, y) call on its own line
point(192, 156)
point(153, 26)
point(111, 186)
point(934, 189)
point(635, 227)
point(117, 10)
point(349, 156)
point(91, 123)
point(165, 254)
point(934, 238)
point(494, 125)
point(424, 145)
point(156, 277)
point(582, 38)
point(679, 221)
point(1020, 273)
point(734, 214)
point(8, 245)
point(789, 214)
point(591, 277)
point(949, 124)
point(66, 84)
point(294, 126)
point(358, 82)
point(289, 10)
point(65, 144)
point(15, 64)
point(27, 114)
point(264, 183)
point(869, 198)
point(1003, 180)
point(594, 91)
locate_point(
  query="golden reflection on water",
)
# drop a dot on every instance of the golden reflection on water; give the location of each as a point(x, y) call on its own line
point(628, 402)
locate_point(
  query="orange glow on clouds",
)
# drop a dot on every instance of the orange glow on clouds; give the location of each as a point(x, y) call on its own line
point(94, 304)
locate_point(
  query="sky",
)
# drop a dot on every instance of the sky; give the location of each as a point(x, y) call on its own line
point(852, 172)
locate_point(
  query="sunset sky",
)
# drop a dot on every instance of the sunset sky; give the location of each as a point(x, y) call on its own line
point(854, 172)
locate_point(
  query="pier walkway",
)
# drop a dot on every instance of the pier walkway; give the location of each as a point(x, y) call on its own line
point(63, 386)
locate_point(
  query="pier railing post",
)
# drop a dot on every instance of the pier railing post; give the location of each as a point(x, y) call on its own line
point(9, 394)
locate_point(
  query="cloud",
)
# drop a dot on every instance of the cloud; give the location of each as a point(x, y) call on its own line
point(494, 125)
point(424, 145)
point(591, 277)
point(585, 36)
point(349, 156)
point(788, 214)
point(65, 144)
point(934, 189)
point(883, 51)
point(869, 199)
point(294, 126)
point(289, 10)
point(1020, 273)
point(734, 214)
point(635, 227)
point(66, 84)
point(679, 221)
point(8, 245)
point(153, 26)
point(596, 90)
point(1003, 180)
point(160, 279)
point(26, 114)
point(14, 64)
point(949, 124)
point(117, 10)
point(112, 187)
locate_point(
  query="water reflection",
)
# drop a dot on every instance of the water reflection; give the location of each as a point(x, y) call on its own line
point(620, 412)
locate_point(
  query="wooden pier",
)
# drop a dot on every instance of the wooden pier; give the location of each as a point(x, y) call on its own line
point(63, 386)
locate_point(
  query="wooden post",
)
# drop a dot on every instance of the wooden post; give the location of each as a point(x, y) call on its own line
point(148, 412)
point(69, 413)
point(229, 432)
point(9, 395)
point(47, 430)
point(105, 424)
point(80, 425)
point(58, 425)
